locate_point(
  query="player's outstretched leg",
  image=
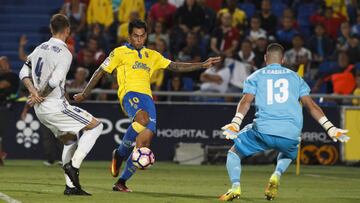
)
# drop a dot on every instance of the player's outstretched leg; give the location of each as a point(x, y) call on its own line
point(274, 182)
point(124, 148)
point(128, 171)
point(233, 166)
point(85, 144)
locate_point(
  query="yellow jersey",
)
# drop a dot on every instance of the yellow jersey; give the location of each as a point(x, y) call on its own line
point(134, 68)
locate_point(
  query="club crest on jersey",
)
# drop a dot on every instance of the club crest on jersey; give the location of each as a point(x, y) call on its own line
point(139, 65)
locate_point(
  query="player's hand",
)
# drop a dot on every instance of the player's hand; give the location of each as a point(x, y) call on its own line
point(338, 134)
point(80, 97)
point(34, 98)
point(211, 62)
point(231, 131)
point(23, 40)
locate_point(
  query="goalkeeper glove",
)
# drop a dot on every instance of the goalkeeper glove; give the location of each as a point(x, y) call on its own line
point(335, 133)
point(231, 130)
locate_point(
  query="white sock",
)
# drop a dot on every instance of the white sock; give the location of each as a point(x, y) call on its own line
point(85, 144)
point(68, 152)
point(68, 181)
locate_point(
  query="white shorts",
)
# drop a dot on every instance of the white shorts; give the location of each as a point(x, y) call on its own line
point(69, 119)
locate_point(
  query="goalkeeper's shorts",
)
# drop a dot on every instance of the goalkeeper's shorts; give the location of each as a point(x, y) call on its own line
point(250, 142)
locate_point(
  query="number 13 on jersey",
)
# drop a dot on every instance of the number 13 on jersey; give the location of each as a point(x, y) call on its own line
point(278, 91)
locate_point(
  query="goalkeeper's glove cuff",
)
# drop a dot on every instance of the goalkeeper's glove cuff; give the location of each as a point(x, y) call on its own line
point(237, 120)
point(326, 124)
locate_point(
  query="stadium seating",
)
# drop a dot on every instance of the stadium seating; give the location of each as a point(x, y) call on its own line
point(24, 17)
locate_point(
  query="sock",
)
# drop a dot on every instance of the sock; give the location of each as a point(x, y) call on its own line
point(85, 144)
point(129, 169)
point(282, 164)
point(68, 181)
point(68, 152)
point(126, 144)
point(233, 166)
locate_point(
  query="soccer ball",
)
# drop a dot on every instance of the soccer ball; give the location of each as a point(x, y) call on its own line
point(143, 158)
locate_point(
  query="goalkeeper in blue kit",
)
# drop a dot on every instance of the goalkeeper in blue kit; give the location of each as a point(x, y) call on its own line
point(277, 92)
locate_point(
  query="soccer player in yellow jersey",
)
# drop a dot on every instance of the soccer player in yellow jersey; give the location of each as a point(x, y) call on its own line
point(134, 65)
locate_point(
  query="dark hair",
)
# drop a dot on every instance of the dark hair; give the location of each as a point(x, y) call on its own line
point(136, 24)
point(275, 47)
point(59, 23)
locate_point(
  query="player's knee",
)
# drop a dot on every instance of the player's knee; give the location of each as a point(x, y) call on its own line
point(142, 118)
point(67, 138)
point(138, 127)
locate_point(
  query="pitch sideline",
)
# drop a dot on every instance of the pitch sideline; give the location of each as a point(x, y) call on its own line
point(8, 199)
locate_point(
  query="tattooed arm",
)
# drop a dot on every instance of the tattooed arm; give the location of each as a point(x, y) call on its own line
point(91, 84)
point(188, 67)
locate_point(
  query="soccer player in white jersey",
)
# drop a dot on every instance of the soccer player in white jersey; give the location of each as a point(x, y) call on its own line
point(278, 120)
point(44, 75)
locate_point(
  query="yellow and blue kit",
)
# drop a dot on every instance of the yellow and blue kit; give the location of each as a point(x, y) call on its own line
point(134, 69)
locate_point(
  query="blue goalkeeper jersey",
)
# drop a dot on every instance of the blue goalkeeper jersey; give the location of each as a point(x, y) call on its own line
point(277, 92)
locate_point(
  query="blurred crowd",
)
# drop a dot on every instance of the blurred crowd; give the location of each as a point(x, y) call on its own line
point(321, 38)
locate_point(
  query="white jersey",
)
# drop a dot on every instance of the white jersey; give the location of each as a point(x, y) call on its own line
point(50, 63)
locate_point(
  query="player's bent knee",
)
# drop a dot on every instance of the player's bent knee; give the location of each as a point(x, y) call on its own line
point(68, 138)
point(142, 117)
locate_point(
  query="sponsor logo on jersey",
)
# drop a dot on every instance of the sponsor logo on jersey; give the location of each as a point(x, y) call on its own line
point(139, 65)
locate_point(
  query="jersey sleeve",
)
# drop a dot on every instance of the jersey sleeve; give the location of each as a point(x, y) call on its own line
point(111, 62)
point(250, 84)
point(160, 62)
point(304, 88)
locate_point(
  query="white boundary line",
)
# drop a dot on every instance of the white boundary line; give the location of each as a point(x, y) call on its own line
point(8, 198)
point(330, 177)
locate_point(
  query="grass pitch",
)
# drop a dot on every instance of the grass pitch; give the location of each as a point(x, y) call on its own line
point(30, 181)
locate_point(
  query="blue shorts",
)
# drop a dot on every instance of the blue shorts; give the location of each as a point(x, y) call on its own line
point(134, 102)
point(250, 141)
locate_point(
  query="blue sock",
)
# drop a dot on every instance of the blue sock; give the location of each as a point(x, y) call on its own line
point(282, 164)
point(129, 169)
point(233, 165)
point(126, 144)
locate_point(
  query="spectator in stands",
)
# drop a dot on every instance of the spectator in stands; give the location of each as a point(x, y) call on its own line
point(9, 84)
point(354, 49)
point(163, 12)
point(285, 35)
point(129, 6)
point(100, 11)
point(343, 40)
point(248, 7)
point(159, 32)
point(79, 81)
point(93, 50)
point(189, 17)
point(298, 54)
point(122, 34)
point(255, 31)
point(268, 20)
point(191, 53)
point(209, 18)
point(260, 50)
point(157, 77)
point(239, 74)
point(320, 45)
point(238, 15)
point(177, 3)
point(330, 20)
point(338, 6)
point(76, 12)
point(246, 54)
point(225, 38)
point(215, 79)
point(175, 84)
point(357, 91)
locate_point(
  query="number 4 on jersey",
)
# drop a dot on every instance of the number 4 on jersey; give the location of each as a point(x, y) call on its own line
point(283, 86)
point(38, 68)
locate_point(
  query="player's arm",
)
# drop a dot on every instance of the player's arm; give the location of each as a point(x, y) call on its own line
point(188, 67)
point(95, 78)
point(231, 129)
point(316, 112)
point(25, 77)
